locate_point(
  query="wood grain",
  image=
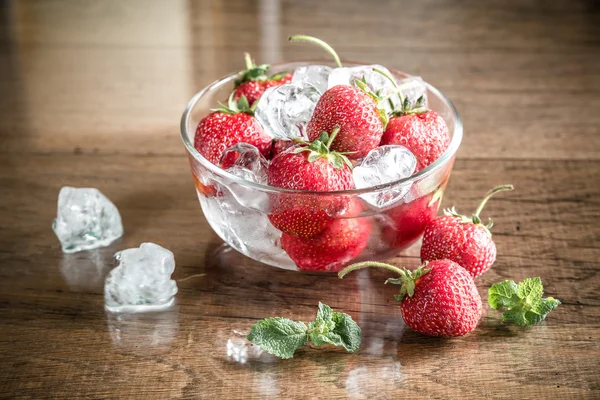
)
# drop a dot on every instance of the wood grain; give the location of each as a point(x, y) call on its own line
point(91, 94)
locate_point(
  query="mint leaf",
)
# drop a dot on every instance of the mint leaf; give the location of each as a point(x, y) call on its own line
point(335, 328)
point(502, 294)
point(347, 331)
point(279, 336)
point(524, 303)
point(282, 337)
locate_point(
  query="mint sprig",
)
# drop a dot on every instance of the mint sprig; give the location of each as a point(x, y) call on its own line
point(524, 302)
point(282, 336)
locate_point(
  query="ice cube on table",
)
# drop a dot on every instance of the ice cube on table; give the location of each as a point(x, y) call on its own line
point(316, 75)
point(284, 111)
point(141, 281)
point(383, 165)
point(86, 219)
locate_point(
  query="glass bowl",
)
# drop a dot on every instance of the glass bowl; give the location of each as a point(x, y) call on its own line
point(353, 229)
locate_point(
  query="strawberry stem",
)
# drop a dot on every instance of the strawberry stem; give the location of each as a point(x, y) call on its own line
point(368, 264)
point(248, 61)
point(332, 136)
point(489, 195)
point(320, 43)
point(388, 76)
point(407, 279)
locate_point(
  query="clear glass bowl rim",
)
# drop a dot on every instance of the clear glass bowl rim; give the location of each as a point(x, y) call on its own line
point(435, 166)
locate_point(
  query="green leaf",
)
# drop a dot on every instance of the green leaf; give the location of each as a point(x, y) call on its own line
point(502, 294)
point(323, 322)
point(346, 332)
point(279, 336)
point(323, 137)
point(530, 290)
point(338, 329)
point(524, 303)
point(313, 156)
point(517, 317)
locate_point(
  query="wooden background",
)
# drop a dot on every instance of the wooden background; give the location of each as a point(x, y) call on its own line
point(90, 95)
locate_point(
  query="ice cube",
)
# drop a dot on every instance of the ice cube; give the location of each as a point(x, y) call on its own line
point(86, 219)
point(241, 350)
point(316, 75)
point(245, 161)
point(284, 111)
point(248, 231)
point(383, 165)
point(413, 87)
point(142, 280)
point(375, 80)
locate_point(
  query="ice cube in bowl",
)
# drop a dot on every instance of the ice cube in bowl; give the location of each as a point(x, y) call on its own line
point(367, 223)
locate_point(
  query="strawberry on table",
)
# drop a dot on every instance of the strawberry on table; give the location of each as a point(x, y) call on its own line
point(253, 81)
point(462, 239)
point(424, 132)
point(308, 167)
point(231, 124)
point(341, 242)
point(353, 109)
point(437, 299)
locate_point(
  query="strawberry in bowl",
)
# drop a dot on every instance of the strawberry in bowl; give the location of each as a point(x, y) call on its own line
point(311, 166)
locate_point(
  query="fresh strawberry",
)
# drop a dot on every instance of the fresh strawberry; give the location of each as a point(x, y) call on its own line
point(408, 220)
point(424, 132)
point(341, 242)
point(355, 113)
point(253, 82)
point(353, 109)
point(228, 126)
point(463, 240)
point(281, 145)
point(437, 299)
point(309, 168)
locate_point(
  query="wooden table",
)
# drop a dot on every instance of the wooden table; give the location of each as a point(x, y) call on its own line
point(91, 94)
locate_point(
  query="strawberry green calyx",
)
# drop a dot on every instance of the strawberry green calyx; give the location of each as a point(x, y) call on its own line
point(255, 72)
point(318, 42)
point(405, 107)
point(320, 149)
point(235, 107)
point(451, 212)
point(407, 279)
point(376, 96)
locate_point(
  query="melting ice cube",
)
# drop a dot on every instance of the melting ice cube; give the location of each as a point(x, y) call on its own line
point(86, 219)
point(284, 111)
point(245, 161)
point(316, 75)
point(382, 165)
point(142, 280)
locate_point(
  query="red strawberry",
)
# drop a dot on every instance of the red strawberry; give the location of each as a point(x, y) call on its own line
point(281, 145)
point(421, 131)
point(228, 126)
point(353, 109)
point(410, 219)
point(355, 113)
point(341, 242)
point(310, 168)
point(253, 82)
point(439, 300)
point(463, 240)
